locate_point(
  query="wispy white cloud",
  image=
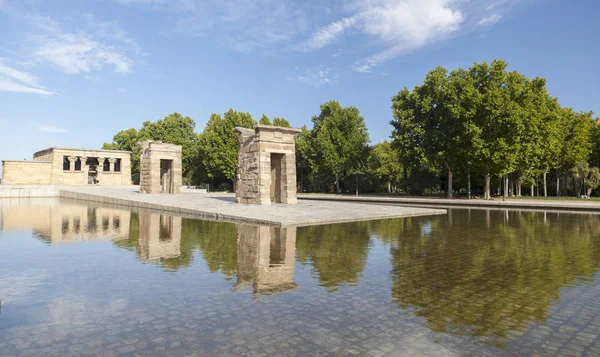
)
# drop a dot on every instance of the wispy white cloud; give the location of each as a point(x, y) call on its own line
point(46, 128)
point(385, 28)
point(82, 51)
point(13, 80)
point(330, 33)
point(122, 90)
point(489, 20)
point(316, 77)
point(402, 26)
point(72, 54)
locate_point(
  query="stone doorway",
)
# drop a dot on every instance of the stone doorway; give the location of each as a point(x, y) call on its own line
point(276, 177)
point(92, 175)
point(166, 176)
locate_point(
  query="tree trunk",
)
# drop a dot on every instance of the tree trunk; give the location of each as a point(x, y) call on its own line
point(356, 185)
point(557, 184)
point(486, 188)
point(505, 193)
point(469, 183)
point(545, 186)
point(589, 192)
point(389, 186)
point(532, 190)
point(519, 187)
point(405, 172)
point(337, 184)
point(449, 193)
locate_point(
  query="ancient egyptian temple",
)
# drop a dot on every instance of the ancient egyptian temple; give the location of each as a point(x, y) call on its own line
point(61, 166)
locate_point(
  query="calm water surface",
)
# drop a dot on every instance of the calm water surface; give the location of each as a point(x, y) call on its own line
point(87, 280)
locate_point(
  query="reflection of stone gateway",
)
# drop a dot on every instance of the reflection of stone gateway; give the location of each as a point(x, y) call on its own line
point(265, 257)
point(160, 167)
point(266, 170)
point(160, 236)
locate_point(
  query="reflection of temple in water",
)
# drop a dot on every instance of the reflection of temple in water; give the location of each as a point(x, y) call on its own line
point(265, 257)
point(59, 222)
point(160, 236)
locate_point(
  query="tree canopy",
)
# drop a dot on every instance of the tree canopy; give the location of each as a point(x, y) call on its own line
point(491, 122)
point(337, 145)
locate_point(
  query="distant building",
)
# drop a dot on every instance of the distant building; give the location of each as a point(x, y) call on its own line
point(60, 166)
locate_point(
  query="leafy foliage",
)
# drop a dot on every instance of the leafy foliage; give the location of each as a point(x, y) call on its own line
point(218, 145)
point(336, 146)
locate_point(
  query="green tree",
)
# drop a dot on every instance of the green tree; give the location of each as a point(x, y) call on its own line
point(175, 129)
point(593, 180)
point(264, 120)
point(218, 145)
point(281, 122)
point(384, 162)
point(577, 144)
point(128, 140)
point(338, 142)
point(595, 138)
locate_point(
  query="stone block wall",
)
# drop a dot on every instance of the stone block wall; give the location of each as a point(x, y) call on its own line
point(26, 172)
point(150, 167)
point(255, 173)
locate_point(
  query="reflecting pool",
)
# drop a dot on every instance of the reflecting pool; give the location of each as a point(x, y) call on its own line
point(80, 279)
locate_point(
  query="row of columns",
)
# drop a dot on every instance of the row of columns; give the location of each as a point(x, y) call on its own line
point(83, 159)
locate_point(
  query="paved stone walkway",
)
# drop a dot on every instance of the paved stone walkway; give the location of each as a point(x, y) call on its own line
point(584, 205)
point(223, 207)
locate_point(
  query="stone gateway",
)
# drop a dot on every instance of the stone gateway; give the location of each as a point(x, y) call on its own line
point(160, 167)
point(266, 171)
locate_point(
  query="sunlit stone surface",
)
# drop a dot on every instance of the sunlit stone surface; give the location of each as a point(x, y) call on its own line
point(472, 283)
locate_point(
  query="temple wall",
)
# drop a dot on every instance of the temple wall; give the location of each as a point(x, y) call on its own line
point(47, 168)
point(26, 173)
point(72, 177)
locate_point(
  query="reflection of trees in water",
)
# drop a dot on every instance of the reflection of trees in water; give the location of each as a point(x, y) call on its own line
point(217, 243)
point(215, 240)
point(338, 252)
point(487, 279)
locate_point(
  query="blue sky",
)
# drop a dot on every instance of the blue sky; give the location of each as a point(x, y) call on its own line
point(73, 73)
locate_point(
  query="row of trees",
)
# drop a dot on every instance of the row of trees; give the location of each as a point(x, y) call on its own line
point(465, 128)
point(501, 125)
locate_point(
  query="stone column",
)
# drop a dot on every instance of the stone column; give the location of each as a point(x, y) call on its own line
point(100, 169)
point(72, 160)
point(84, 169)
point(111, 167)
